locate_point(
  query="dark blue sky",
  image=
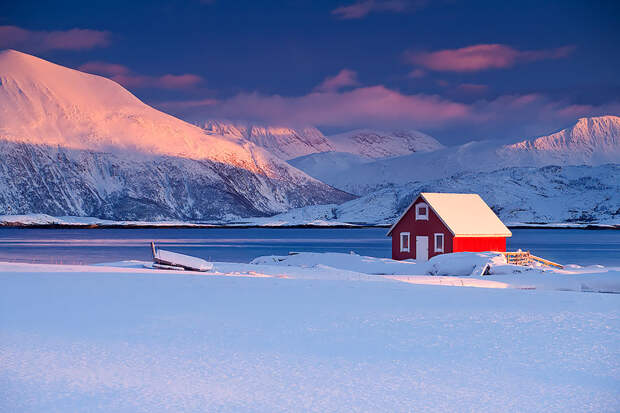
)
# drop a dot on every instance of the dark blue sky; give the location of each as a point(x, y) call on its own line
point(549, 63)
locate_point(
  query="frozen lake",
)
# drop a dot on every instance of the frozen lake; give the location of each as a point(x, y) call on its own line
point(87, 246)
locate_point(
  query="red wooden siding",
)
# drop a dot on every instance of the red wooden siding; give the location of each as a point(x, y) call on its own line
point(420, 228)
point(479, 244)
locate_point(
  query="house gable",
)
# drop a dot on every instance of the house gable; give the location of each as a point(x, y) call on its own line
point(428, 227)
point(464, 215)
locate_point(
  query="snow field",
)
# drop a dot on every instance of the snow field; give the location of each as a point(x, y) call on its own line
point(302, 333)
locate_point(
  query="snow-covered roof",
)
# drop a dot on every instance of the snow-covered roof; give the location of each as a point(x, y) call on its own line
point(465, 215)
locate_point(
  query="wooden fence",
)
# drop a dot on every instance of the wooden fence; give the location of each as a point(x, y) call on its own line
point(525, 258)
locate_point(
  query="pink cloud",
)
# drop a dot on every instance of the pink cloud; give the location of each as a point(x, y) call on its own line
point(74, 39)
point(482, 57)
point(103, 68)
point(361, 106)
point(363, 8)
point(343, 79)
point(121, 74)
point(508, 116)
point(178, 81)
point(186, 104)
point(416, 74)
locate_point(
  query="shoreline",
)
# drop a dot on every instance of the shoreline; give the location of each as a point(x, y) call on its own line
point(20, 225)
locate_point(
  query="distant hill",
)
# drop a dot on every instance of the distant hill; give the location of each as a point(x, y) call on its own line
point(591, 141)
point(377, 144)
point(550, 194)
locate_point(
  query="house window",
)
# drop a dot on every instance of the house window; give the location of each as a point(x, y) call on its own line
point(438, 242)
point(404, 242)
point(421, 211)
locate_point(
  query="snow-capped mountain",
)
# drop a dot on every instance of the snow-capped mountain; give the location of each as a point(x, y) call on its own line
point(291, 143)
point(591, 141)
point(550, 194)
point(284, 142)
point(377, 144)
point(76, 143)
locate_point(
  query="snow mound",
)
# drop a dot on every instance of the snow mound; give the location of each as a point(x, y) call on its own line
point(462, 269)
point(351, 262)
point(466, 263)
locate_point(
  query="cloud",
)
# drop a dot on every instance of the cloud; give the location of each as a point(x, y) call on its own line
point(343, 79)
point(103, 68)
point(39, 41)
point(363, 8)
point(186, 104)
point(504, 117)
point(121, 74)
point(416, 74)
point(482, 57)
point(373, 105)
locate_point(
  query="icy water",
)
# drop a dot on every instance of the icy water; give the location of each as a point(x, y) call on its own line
point(87, 246)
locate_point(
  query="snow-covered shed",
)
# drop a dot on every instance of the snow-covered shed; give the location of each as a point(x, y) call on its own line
point(438, 223)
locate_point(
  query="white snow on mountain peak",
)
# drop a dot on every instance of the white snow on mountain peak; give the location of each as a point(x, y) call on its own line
point(284, 142)
point(380, 144)
point(45, 103)
point(590, 140)
point(290, 143)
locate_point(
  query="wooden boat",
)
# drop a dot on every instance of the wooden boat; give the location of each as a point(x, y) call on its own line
point(173, 260)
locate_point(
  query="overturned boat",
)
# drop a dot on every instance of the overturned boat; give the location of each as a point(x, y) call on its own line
point(174, 261)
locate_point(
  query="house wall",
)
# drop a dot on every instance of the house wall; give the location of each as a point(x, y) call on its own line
point(479, 244)
point(428, 228)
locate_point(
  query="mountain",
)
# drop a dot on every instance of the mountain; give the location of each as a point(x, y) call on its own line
point(591, 141)
point(376, 144)
point(75, 143)
point(550, 194)
point(291, 143)
point(284, 142)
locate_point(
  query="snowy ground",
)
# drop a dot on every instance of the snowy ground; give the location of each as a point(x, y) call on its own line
point(308, 332)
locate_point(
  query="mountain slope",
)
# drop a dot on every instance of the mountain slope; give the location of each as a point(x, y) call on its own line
point(592, 141)
point(551, 194)
point(44, 105)
point(380, 144)
point(286, 143)
point(71, 182)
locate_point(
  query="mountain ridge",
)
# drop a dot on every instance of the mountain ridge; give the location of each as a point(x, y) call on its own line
point(361, 178)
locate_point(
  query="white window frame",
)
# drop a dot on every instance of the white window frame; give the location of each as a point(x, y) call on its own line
point(418, 215)
point(443, 242)
point(402, 247)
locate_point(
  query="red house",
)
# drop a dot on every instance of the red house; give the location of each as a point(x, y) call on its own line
point(440, 223)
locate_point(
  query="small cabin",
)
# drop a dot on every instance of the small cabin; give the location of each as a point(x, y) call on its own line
point(437, 223)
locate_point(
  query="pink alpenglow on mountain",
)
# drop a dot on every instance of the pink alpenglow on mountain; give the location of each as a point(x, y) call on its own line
point(82, 145)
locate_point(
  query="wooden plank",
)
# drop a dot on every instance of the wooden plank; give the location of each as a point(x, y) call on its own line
point(547, 262)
